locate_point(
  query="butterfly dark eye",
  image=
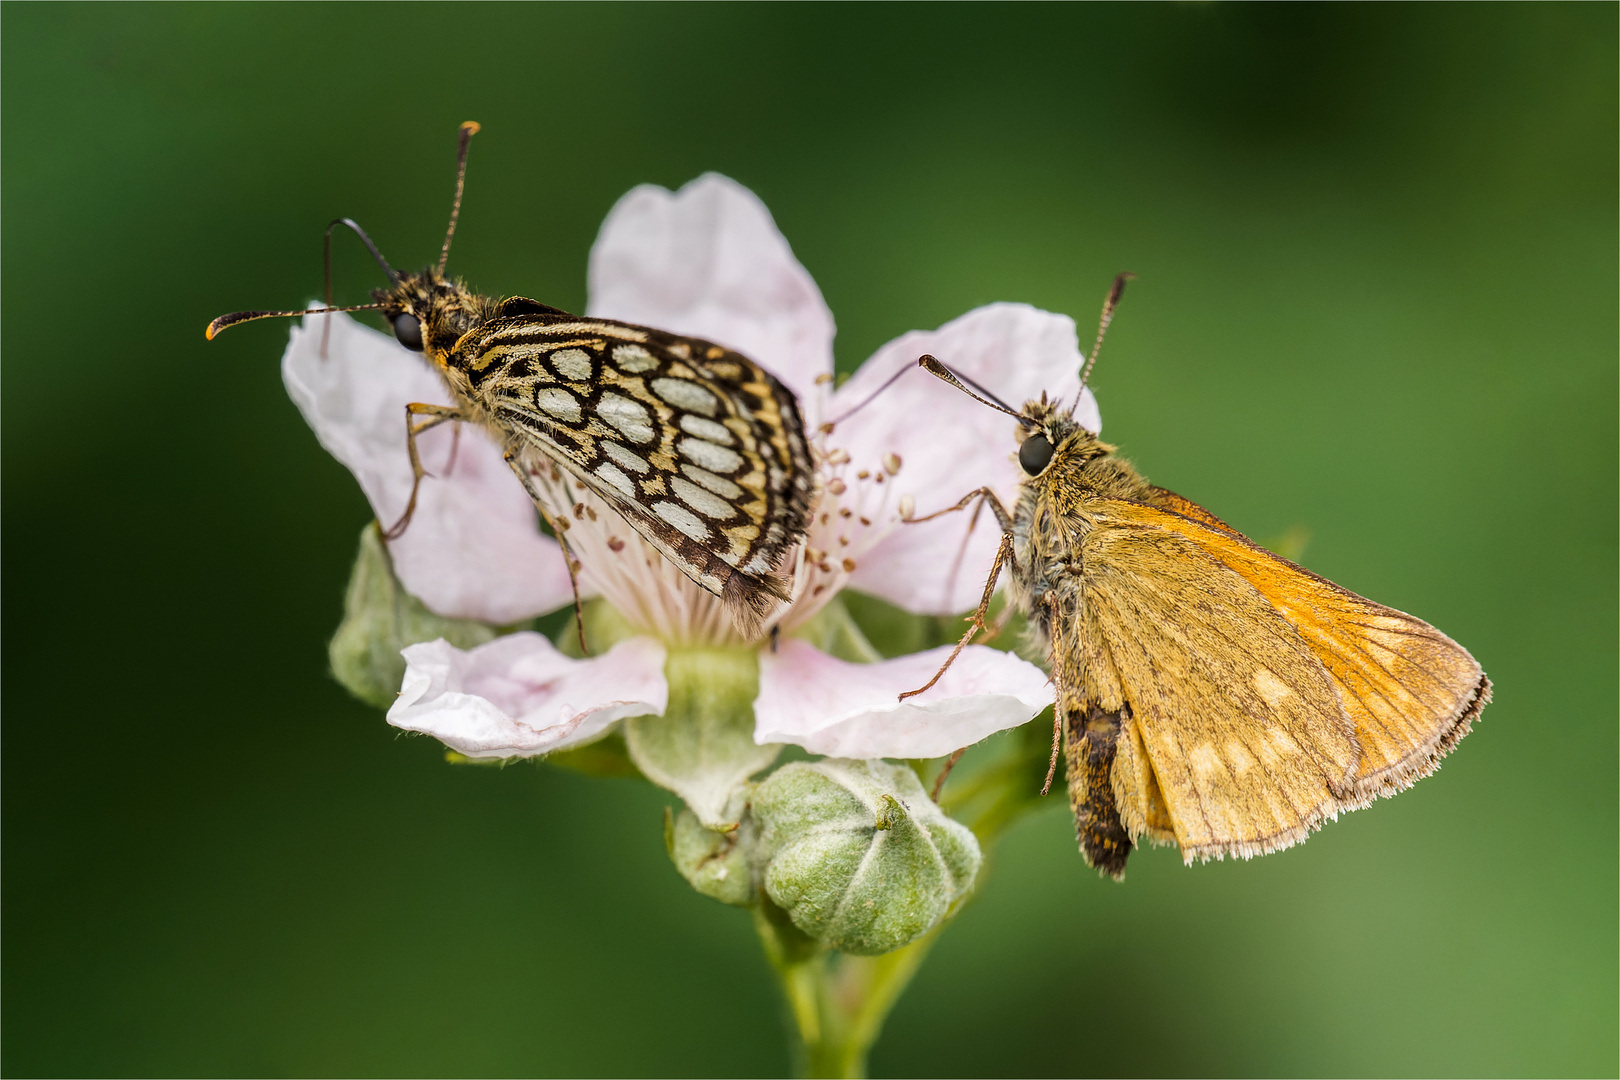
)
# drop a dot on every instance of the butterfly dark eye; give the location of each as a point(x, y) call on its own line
point(1035, 453)
point(409, 331)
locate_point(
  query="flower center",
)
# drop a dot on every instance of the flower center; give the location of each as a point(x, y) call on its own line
point(858, 506)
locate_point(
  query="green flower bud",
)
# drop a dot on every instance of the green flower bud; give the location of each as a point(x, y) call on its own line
point(717, 864)
point(858, 855)
point(379, 619)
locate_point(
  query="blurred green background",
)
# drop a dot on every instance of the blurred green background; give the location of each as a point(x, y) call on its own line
point(1377, 297)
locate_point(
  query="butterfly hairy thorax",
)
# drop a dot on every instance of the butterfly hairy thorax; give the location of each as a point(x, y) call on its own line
point(697, 447)
point(1209, 693)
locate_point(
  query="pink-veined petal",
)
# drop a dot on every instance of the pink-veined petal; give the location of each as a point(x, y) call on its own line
point(517, 696)
point(840, 709)
point(708, 261)
point(473, 548)
point(950, 444)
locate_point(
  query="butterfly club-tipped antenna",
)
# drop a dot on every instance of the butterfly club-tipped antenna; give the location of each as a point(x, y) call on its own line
point(1109, 305)
point(224, 322)
point(468, 130)
point(978, 393)
point(326, 253)
point(326, 267)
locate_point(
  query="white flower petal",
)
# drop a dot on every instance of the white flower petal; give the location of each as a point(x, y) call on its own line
point(473, 549)
point(832, 707)
point(708, 261)
point(951, 444)
point(517, 696)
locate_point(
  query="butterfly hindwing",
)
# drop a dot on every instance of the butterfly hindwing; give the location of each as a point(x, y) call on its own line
point(1262, 699)
point(1409, 690)
point(699, 448)
point(1243, 737)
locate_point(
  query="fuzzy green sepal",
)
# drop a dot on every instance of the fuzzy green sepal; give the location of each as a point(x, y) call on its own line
point(703, 747)
point(379, 619)
point(717, 864)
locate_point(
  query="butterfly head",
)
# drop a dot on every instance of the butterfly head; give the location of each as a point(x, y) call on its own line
point(1048, 432)
point(1050, 437)
point(428, 313)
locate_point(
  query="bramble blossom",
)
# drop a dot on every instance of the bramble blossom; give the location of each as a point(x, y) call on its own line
point(705, 261)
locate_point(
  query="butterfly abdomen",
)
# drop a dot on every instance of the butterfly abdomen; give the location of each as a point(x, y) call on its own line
point(1091, 739)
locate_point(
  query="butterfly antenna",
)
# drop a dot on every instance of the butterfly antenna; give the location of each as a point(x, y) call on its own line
point(890, 381)
point(326, 253)
point(955, 378)
point(468, 130)
point(1102, 326)
point(225, 322)
point(326, 263)
point(962, 382)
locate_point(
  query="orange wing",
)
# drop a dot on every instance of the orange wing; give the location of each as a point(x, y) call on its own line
point(1230, 736)
point(1165, 499)
point(1409, 690)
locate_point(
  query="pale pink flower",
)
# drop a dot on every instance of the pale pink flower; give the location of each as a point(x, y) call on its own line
point(706, 261)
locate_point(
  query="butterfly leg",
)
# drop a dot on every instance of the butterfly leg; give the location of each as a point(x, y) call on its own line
point(1059, 698)
point(985, 496)
point(1003, 517)
point(1003, 554)
point(559, 529)
point(1003, 557)
point(994, 630)
point(455, 448)
point(976, 623)
point(436, 415)
point(939, 781)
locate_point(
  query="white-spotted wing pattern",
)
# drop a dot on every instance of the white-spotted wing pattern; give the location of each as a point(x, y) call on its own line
point(700, 449)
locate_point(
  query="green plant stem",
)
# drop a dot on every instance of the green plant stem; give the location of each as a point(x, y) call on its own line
point(836, 1002)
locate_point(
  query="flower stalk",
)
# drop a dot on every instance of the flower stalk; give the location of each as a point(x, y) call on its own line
point(836, 1003)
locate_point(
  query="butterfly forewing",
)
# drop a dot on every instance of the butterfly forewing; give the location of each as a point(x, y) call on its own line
point(699, 448)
